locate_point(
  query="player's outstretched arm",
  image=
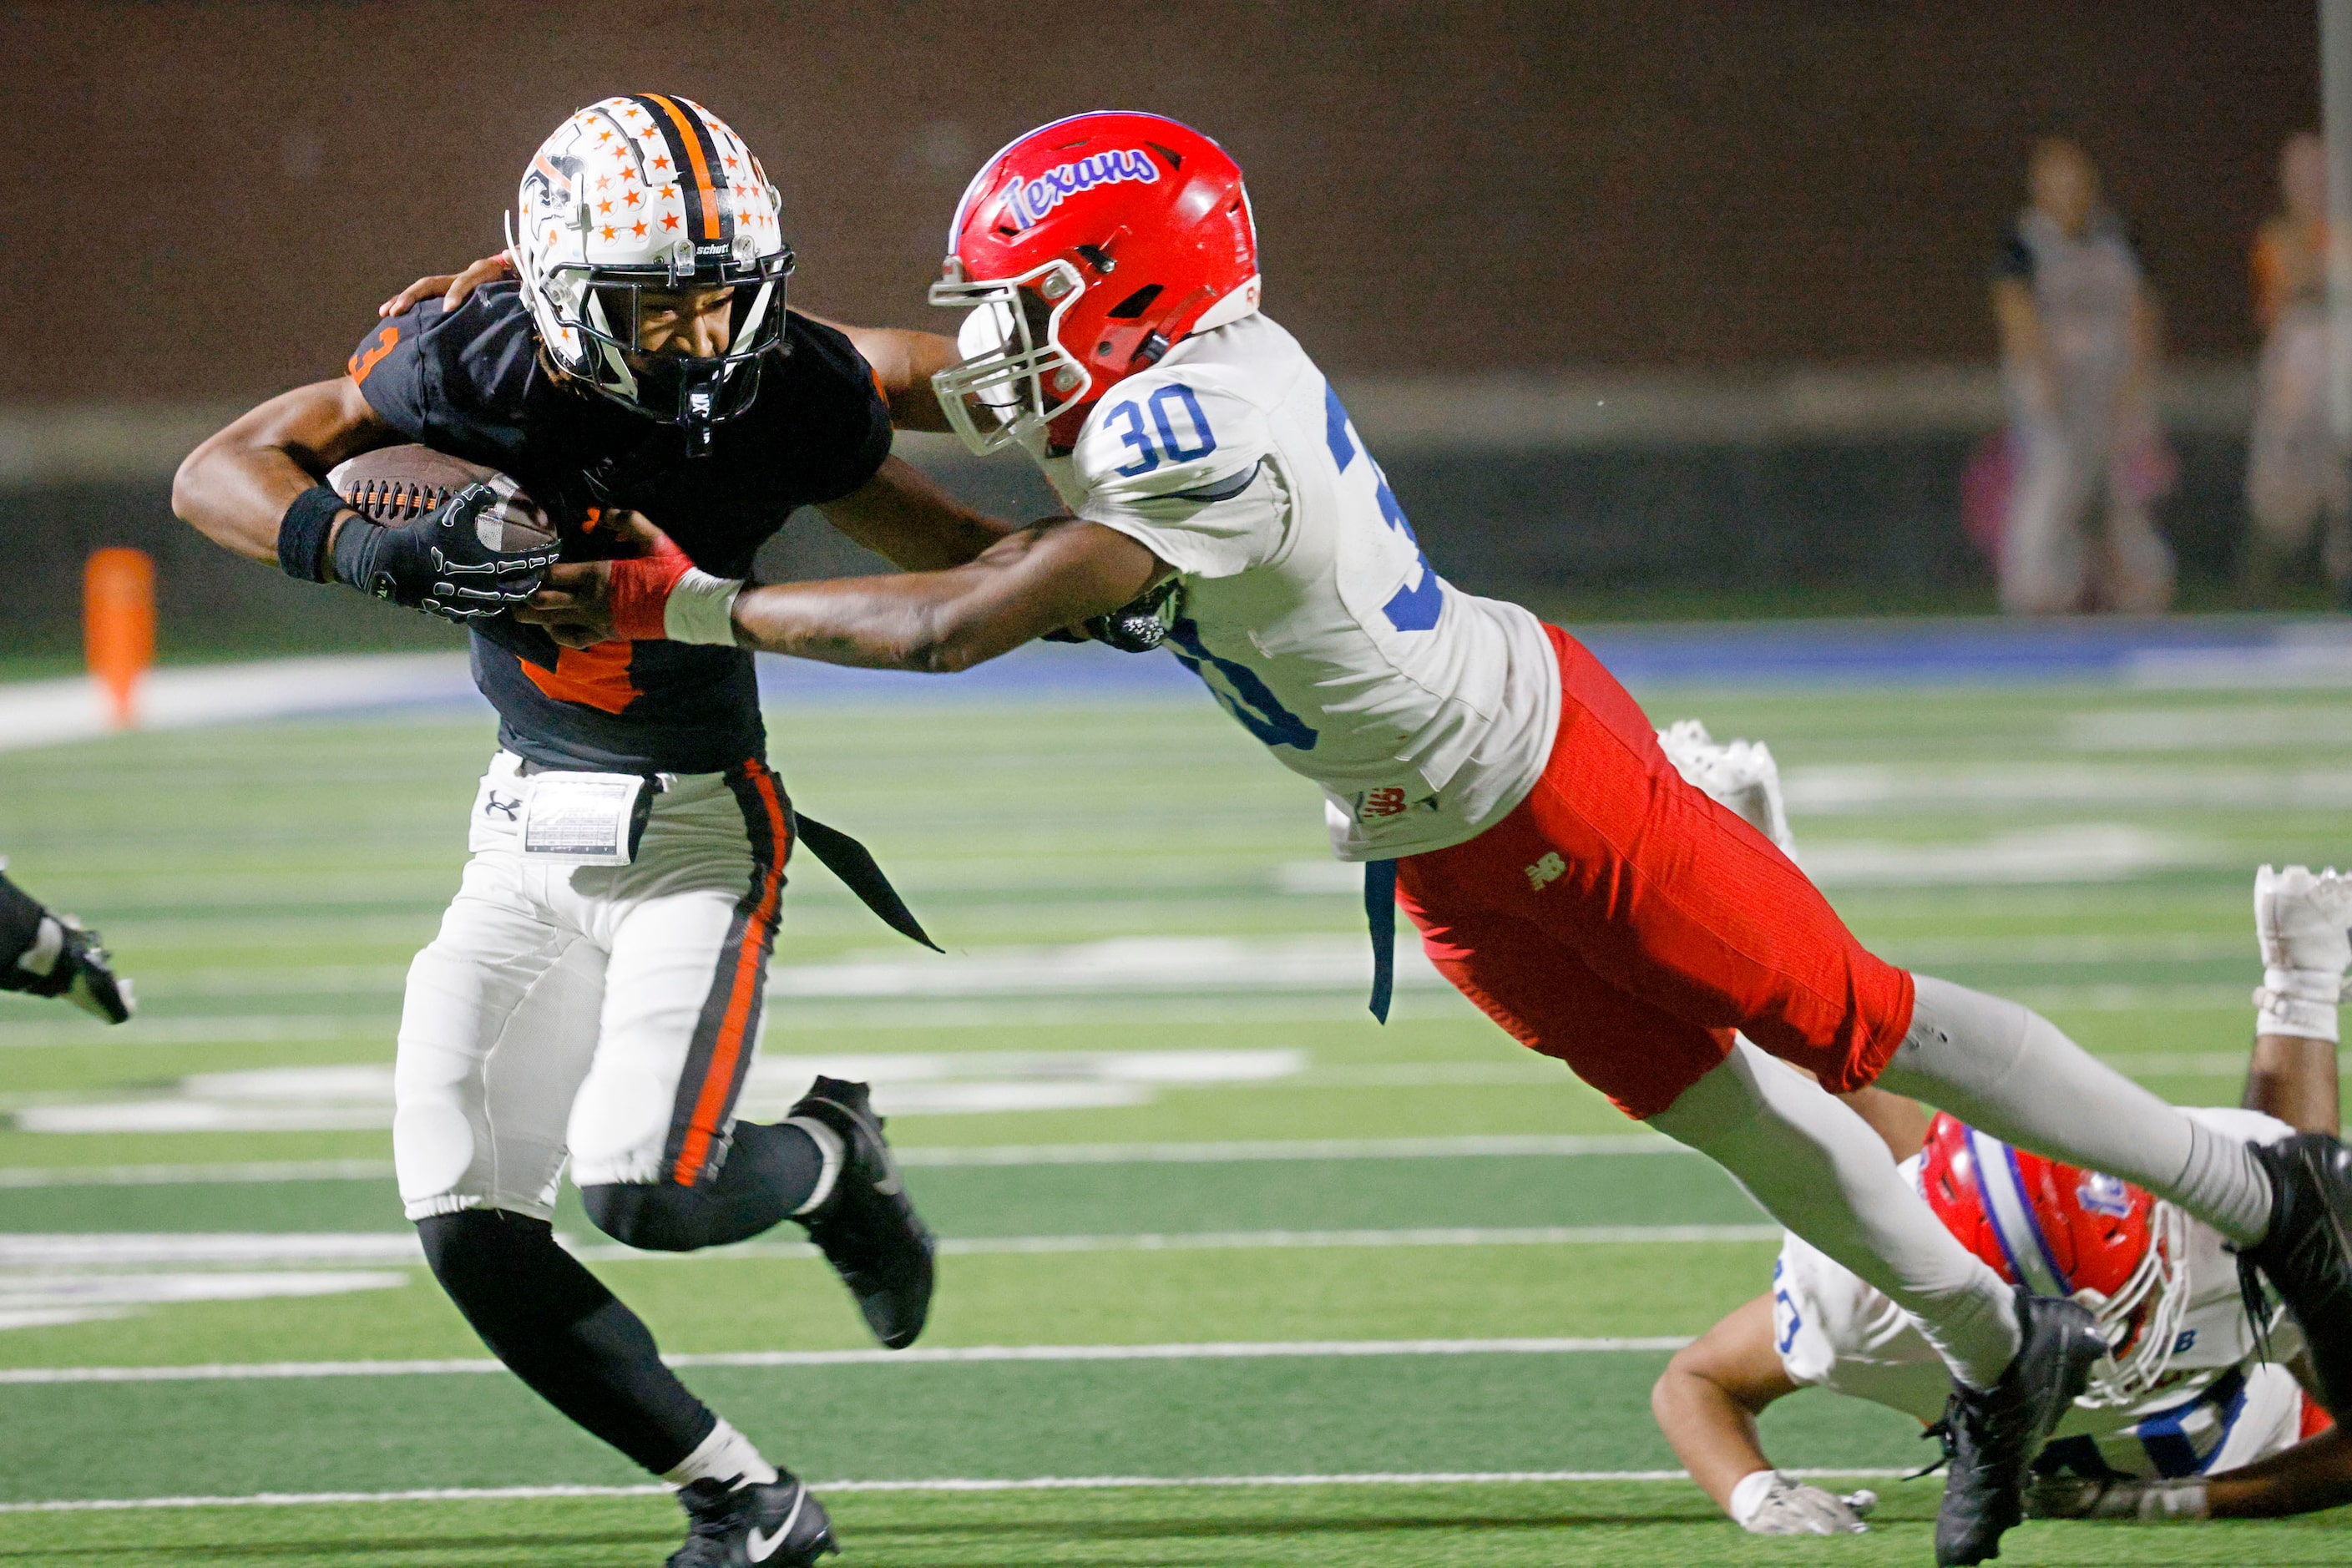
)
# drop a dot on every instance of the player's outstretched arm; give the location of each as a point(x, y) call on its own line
point(1039, 578)
point(1708, 1399)
point(235, 487)
point(902, 516)
point(2315, 1474)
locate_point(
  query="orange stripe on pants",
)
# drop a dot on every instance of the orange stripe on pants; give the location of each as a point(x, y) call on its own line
point(718, 1078)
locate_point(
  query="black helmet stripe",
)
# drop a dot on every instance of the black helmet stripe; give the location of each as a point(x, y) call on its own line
point(694, 160)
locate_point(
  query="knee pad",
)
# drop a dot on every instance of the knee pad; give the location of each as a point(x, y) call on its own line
point(653, 1216)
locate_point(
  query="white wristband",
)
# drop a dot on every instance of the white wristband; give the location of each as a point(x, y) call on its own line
point(701, 608)
point(1748, 1495)
point(2298, 1002)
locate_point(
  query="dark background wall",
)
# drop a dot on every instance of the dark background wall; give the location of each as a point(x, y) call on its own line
point(205, 200)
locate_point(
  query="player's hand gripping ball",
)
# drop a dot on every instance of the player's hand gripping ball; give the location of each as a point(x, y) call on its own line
point(443, 535)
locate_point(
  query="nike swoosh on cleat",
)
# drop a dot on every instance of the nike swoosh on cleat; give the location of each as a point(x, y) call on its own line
point(759, 1548)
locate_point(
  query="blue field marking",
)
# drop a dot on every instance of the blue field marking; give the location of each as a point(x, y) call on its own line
point(2185, 650)
point(2208, 651)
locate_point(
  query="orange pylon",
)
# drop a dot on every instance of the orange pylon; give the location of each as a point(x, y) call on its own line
point(117, 624)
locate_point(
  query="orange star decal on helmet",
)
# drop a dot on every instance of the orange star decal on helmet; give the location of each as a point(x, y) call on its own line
point(604, 206)
point(630, 197)
point(638, 228)
point(608, 231)
point(670, 221)
point(662, 162)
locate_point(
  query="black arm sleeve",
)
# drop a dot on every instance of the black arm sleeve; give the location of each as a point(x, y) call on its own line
point(841, 422)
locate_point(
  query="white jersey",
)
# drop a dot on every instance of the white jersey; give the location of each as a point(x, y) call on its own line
point(2218, 1405)
point(1307, 606)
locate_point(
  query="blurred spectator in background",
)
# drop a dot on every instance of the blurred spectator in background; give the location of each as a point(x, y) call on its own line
point(2078, 360)
point(2295, 474)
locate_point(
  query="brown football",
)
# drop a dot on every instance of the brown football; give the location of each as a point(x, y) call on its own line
point(400, 484)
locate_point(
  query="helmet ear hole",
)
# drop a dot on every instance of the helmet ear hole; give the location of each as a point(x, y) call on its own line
point(1134, 304)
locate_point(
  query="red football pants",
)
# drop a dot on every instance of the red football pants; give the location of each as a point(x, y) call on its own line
point(1622, 920)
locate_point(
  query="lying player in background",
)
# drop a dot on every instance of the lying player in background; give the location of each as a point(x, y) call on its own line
point(2194, 1414)
point(44, 954)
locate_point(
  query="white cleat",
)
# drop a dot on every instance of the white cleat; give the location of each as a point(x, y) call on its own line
point(1739, 775)
point(2303, 923)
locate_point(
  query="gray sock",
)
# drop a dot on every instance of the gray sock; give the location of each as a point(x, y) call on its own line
point(1818, 1169)
point(2005, 1069)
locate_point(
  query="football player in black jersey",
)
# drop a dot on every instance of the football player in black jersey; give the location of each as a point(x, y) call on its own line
point(596, 988)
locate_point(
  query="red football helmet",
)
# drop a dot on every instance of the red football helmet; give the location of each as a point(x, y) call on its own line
point(2062, 1231)
point(1083, 251)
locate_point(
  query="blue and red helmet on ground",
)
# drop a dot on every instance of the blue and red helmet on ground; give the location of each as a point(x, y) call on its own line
point(2060, 1230)
point(1084, 251)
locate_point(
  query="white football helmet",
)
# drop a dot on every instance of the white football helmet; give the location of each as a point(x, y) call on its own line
point(650, 191)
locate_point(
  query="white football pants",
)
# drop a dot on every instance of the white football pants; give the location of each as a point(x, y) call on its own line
point(609, 1011)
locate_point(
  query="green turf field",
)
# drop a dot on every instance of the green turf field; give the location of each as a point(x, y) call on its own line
point(1208, 1226)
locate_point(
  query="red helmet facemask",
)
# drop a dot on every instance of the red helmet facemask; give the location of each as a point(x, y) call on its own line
point(1083, 252)
point(2062, 1231)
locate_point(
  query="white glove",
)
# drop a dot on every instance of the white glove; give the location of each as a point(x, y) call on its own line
point(2149, 1502)
point(1738, 775)
point(2302, 921)
point(1772, 1502)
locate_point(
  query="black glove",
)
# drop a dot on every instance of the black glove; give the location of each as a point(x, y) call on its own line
point(1137, 627)
point(438, 563)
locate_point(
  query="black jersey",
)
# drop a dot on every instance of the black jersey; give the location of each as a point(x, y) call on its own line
point(470, 383)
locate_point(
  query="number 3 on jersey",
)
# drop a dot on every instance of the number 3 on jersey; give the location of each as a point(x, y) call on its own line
point(1169, 404)
point(1416, 607)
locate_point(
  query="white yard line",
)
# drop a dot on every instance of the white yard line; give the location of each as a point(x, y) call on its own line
point(51, 712)
point(977, 1484)
point(1242, 1350)
point(1248, 1241)
point(293, 1249)
point(1535, 1146)
point(197, 1175)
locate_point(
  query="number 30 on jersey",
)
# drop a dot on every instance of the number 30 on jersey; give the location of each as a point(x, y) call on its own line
point(1170, 406)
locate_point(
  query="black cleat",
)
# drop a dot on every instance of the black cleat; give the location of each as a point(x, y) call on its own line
point(867, 1228)
point(1991, 1436)
point(67, 961)
point(2307, 1254)
point(774, 1525)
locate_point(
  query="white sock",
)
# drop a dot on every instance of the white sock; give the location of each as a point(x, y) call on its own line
point(2005, 1069)
point(49, 942)
point(828, 1147)
point(725, 1456)
point(1818, 1168)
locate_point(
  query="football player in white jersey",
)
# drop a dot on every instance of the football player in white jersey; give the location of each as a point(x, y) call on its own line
point(2194, 1414)
point(1491, 776)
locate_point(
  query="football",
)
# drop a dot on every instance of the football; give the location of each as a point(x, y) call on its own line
point(400, 484)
